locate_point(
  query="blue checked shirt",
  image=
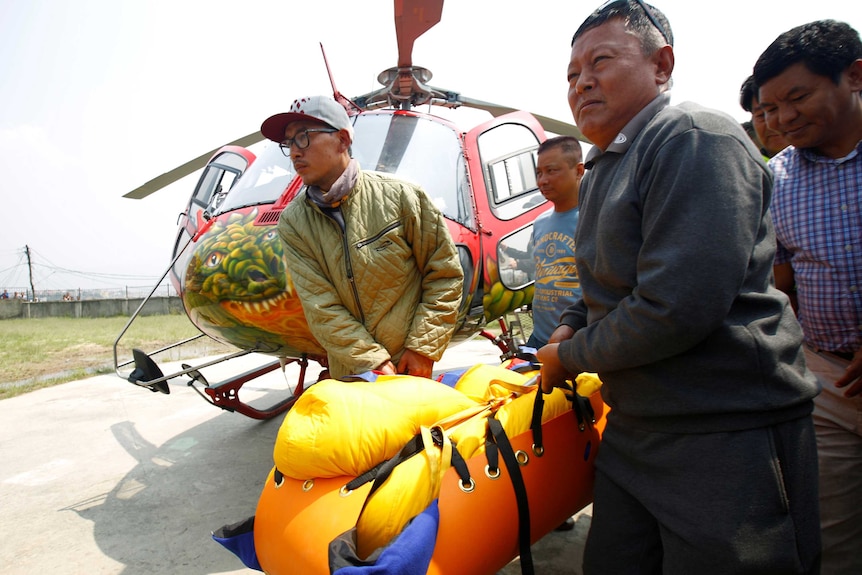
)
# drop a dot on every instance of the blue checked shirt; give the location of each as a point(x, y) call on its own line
point(818, 225)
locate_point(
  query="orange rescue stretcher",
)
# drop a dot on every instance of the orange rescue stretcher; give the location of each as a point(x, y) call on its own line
point(491, 464)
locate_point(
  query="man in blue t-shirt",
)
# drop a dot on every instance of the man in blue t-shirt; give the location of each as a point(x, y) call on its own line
point(558, 175)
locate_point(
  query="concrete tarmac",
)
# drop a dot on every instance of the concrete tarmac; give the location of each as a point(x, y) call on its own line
point(99, 476)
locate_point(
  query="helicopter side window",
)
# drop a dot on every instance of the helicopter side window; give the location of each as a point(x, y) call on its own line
point(263, 182)
point(208, 183)
point(515, 261)
point(513, 176)
point(211, 191)
point(215, 182)
point(508, 153)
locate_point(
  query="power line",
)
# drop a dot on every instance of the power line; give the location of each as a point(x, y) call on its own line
point(40, 270)
point(90, 274)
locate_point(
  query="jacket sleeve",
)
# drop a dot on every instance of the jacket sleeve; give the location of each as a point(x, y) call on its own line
point(442, 278)
point(346, 340)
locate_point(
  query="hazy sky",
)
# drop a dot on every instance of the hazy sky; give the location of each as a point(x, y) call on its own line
point(99, 96)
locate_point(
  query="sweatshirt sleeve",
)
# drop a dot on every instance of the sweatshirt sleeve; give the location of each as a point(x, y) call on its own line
point(693, 219)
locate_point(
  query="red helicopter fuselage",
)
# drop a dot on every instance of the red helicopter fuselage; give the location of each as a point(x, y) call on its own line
point(229, 268)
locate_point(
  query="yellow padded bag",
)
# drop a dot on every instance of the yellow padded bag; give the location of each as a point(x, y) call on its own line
point(514, 412)
point(414, 483)
point(412, 486)
point(345, 428)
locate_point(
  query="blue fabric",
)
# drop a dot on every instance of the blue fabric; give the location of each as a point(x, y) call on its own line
point(370, 376)
point(450, 378)
point(410, 553)
point(239, 540)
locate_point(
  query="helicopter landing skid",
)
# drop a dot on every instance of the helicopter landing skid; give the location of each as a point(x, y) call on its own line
point(225, 394)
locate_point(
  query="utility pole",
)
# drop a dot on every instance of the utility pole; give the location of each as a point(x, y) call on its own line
point(30, 269)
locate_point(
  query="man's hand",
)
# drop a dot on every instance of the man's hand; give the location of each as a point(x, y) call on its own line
point(386, 368)
point(852, 377)
point(562, 333)
point(415, 364)
point(553, 373)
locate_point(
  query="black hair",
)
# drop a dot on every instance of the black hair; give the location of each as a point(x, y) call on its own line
point(634, 16)
point(826, 47)
point(570, 146)
point(747, 92)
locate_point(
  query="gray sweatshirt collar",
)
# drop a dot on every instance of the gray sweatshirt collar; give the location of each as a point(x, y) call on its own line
point(624, 139)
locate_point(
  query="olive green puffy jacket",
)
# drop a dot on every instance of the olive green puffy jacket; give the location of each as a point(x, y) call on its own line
point(391, 281)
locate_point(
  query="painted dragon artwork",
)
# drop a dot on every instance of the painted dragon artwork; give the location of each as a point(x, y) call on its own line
point(239, 291)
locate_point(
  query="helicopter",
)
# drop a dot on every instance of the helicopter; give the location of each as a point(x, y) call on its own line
point(228, 266)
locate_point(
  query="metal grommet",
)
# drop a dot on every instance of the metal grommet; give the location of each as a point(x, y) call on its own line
point(521, 457)
point(279, 482)
point(344, 491)
point(490, 475)
point(538, 450)
point(467, 488)
point(307, 484)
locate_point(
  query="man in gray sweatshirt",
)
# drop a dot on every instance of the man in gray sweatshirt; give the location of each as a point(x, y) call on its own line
point(708, 462)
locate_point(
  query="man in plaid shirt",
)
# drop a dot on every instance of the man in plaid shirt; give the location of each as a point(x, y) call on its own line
point(810, 81)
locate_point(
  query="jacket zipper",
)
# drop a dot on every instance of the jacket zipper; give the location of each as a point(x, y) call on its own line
point(347, 262)
point(381, 233)
point(360, 245)
point(349, 265)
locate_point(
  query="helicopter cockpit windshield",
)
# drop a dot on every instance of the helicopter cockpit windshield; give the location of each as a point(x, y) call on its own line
point(414, 148)
point(262, 183)
point(419, 150)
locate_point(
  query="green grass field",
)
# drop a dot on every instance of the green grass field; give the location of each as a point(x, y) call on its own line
point(37, 353)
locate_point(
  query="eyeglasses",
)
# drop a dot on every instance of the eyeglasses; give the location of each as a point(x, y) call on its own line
point(301, 139)
point(647, 11)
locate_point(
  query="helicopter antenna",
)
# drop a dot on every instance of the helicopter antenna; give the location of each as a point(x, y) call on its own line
point(352, 109)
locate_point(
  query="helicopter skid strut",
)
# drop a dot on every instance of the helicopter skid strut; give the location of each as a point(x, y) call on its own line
point(225, 395)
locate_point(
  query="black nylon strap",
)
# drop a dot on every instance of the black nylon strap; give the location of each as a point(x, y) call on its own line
point(531, 363)
point(536, 420)
point(583, 410)
point(517, 479)
point(460, 466)
point(380, 472)
point(491, 453)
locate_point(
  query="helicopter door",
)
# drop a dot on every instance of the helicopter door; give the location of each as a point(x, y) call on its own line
point(226, 166)
point(216, 180)
point(504, 152)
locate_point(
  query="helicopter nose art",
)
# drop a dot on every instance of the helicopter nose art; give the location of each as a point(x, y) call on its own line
point(238, 290)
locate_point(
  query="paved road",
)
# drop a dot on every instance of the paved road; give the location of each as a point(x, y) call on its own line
point(101, 477)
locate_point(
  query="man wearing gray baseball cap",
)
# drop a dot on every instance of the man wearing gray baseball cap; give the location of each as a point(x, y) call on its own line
point(370, 255)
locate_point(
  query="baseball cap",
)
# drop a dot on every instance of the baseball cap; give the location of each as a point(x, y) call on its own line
point(321, 108)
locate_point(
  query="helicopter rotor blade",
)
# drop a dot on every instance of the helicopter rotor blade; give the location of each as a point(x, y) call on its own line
point(189, 167)
point(549, 124)
point(412, 19)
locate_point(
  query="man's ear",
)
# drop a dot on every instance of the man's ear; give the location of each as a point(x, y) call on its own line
point(344, 139)
point(854, 75)
point(664, 59)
